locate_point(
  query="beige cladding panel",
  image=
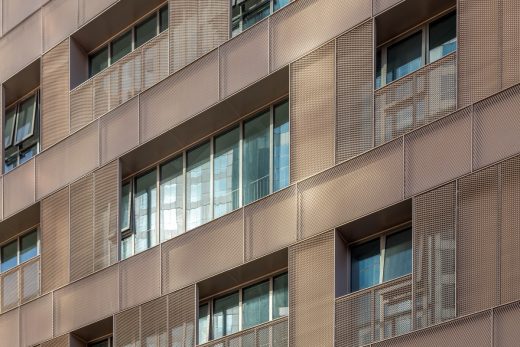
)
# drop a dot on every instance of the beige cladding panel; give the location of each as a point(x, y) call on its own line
point(60, 19)
point(88, 9)
point(62, 341)
point(182, 308)
point(154, 322)
point(10, 290)
point(9, 328)
point(1, 197)
point(126, 328)
point(510, 42)
point(30, 280)
point(36, 321)
point(19, 188)
point(81, 106)
point(15, 11)
point(382, 5)
point(101, 92)
point(506, 320)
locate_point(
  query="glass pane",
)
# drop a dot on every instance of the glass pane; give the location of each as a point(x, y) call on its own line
point(9, 256)
point(404, 57)
point(278, 4)
point(121, 47)
point(104, 343)
point(280, 296)
point(144, 211)
point(225, 315)
point(172, 199)
point(378, 69)
point(255, 305)
point(226, 172)
point(256, 158)
point(25, 123)
point(126, 195)
point(98, 61)
point(126, 247)
point(163, 14)
point(203, 323)
point(9, 127)
point(365, 264)
point(398, 255)
point(198, 186)
point(29, 246)
point(281, 147)
point(10, 163)
point(443, 37)
point(255, 11)
point(146, 30)
point(27, 154)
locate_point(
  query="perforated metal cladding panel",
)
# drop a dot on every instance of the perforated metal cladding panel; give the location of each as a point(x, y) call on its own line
point(81, 103)
point(311, 99)
point(67, 161)
point(479, 50)
point(245, 59)
point(198, 253)
point(155, 60)
point(59, 20)
point(510, 42)
point(182, 308)
point(1, 194)
point(154, 321)
point(19, 186)
point(354, 92)
point(86, 301)
point(417, 99)
point(62, 341)
point(13, 12)
point(9, 328)
point(127, 328)
point(271, 223)
point(496, 118)
point(196, 27)
point(311, 292)
point(106, 212)
point(505, 324)
point(101, 93)
point(291, 36)
point(438, 153)
point(10, 290)
point(477, 239)
point(140, 278)
point(351, 190)
point(36, 321)
point(434, 219)
point(382, 5)
point(54, 240)
point(125, 79)
point(30, 281)
point(179, 97)
point(54, 95)
point(82, 228)
point(354, 319)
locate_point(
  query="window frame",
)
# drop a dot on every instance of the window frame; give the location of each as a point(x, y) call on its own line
point(18, 240)
point(243, 14)
point(108, 338)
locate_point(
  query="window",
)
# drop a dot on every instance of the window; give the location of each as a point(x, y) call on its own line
point(144, 211)
point(427, 44)
point(19, 251)
point(246, 13)
point(243, 308)
point(105, 342)
point(172, 199)
point(380, 260)
point(21, 132)
point(281, 147)
point(133, 38)
point(198, 186)
point(226, 172)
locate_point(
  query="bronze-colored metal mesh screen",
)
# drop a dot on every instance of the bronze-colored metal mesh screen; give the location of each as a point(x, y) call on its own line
point(154, 320)
point(355, 319)
point(382, 5)
point(182, 308)
point(81, 103)
point(354, 92)
point(19, 188)
point(101, 93)
point(311, 99)
point(36, 321)
point(505, 325)
point(30, 280)
point(127, 328)
point(510, 15)
point(62, 341)
point(9, 328)
point(10, 290)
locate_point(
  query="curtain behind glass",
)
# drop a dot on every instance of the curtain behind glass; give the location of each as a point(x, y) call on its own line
point(256, 158)
point(398, 255)
point(144, 211)
point(280, 296)
point(225, 315)
point(226, 172)
point(198, 186)
point(281, 147)
point(404, 57)
point(172, 199)
point(255, 305)
point(365, 262)
point(203, 323)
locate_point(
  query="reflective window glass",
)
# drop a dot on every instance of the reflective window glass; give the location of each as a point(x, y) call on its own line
point(255, 305)
point(226, 172)
point(163, 15)
point(404, 57)
point(10, 117)
point(28, 153)
point(9, 256)
point(98, 61)
point(127, 247)
point(365, 263)
point(198, 186)
point(25, 122)
point(278, 4)
point(172, 199)
point(255, 11)
point(121, 46)
point(144, 211)
point(28, 246)
point(146, 30)
point(203, 323)
point(225, 315)
point(281, 147)
point(398, 255)
point(443, 37)
point(126, 196)
point(280, 296)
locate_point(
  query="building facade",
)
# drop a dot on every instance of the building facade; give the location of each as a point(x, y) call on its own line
point(260, 173)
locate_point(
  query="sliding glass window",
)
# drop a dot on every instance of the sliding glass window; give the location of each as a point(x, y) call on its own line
point(226, 170)
point(172, 199)
point(144, 211)
point(198, 178)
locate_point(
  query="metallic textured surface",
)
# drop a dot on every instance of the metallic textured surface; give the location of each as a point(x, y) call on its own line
point(89, 9)
point(13, 12)
point(61, 341)
point(126, 328)
point(311, 100)
point(354, 317)
point(81, 103)
point(30, 280)
point(382, 5)
point(311, 292)
point(9, 328)
point(10, 289)
point(182, 308)
point(154, 329)
point(505, 325)
point(510, 16)
point(354, 92)
point(101, 93)
point(59, 20)
point(19, 188)
point(36, 321)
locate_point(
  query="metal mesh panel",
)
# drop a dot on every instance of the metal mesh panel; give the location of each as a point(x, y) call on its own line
point(86, 301)
point(154, 320)
point(198, 254)
point(417, 99)
point(505, 325)
point(106, 211)
point(382, 5)
point(179, 97)
point(101, 93)
point(62, 341)
point(60, 19)
point(140, 278)
point(312, 112)
point(510, 43)
point(271, 223)
point(19, 186)
point(55, 240)
point(434, 216)
point(182, 307)
point(36, 321)
point(30, 281)
point(9, 328)
point(341, 194)
point(196, 27)
point(81, 103)
point(291, 36)
point(126, 328)
point(355, 319)
point(354, 92)
point(1, 191)
point(311, 292)
point(82, 228)
point(438, 153)
point(245, 59)
point(155, 60)
point(496, 118)
point(477, 239)
point(55, 95)
point(10, 290)
point(125, 79)
point(478, 50)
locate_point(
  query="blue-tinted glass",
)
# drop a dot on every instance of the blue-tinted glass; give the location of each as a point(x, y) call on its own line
point(378, 69)
point(146, 30)
point(198, 179)
point(121, 46)
point(281, 147)
point(404, 57)
point(28, 154)
point(126, 247)
point(9, 256)
point(145, 202)
point(172, 199)
point(398, 255)
point(365, 262)
point(203, 324)
point(255, 11)
point(225, 315)
point(98, 61)
point(280, 296)
point(443, 37)
point(278, 4)
point(10, 163)
point(226, 172)
point(255, 305)
point(29, 246)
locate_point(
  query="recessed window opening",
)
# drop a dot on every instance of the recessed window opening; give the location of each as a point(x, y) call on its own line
point(246, 13)
point(19, 250)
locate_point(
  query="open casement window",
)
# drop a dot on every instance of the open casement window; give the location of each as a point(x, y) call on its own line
point(246, 13)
